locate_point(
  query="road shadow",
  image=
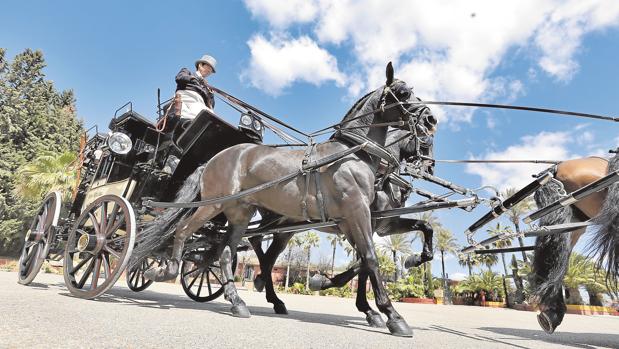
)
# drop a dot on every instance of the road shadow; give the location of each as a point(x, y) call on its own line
point(572, 339)
point(161, 301)
point(474, 336)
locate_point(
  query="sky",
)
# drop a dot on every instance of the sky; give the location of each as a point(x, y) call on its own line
point(308, 61)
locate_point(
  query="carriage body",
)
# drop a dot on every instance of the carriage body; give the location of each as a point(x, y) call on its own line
point(118, 170)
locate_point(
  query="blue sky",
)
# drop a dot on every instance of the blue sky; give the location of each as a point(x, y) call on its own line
point(308, 61)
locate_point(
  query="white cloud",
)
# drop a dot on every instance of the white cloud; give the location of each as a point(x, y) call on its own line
point(445, 54)
point(278, 62)
point(542, 146)
point(282, 13)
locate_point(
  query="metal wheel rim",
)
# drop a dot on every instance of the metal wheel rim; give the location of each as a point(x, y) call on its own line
point(33, 254)
point(111, 260)
point(194, 281)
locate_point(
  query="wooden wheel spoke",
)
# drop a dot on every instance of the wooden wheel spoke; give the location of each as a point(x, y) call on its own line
point(112, 251)
point(216, 277)
point(95, 222)
point(201, 282)
point(96, 271)
point(104, 219)
point(79, 265)
point(112, 227)
point(191, 271)
point(106, 266)
point(208, 282)
point(86, 274)
point(192, 282)
point(132, 275)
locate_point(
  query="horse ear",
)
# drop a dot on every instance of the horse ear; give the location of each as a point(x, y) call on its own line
point(389, 73)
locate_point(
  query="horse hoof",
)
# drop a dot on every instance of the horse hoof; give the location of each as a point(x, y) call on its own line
point(399, 328)
point(259, 283)
point(544, 321)
point(280, 308)
point(413, 261)
point(375, 320)
point(316, 282)
point(158, 274)
point(163, 273)
point(240, 311)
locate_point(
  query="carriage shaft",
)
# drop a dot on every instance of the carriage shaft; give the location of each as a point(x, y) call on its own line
point(575, 196)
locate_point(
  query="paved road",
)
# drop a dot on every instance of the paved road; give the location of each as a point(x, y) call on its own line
point(45, 315)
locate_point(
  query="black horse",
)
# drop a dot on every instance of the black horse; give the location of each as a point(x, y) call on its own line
point(391, 195)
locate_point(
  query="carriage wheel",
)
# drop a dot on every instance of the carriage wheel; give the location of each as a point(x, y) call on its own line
point(38, 238)
point(99, 246)
point(135, 277)
point(201, 282)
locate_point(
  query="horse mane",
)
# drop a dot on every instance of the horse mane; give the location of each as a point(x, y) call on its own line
point(357, 103)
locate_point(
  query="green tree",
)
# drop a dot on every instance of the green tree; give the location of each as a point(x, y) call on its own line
point(335, 240)
point(465, 260)
point(48, 172)
point(295, 241)
point(498, 229)
point(34, 118)
point(445, 242)
point(515, 213)
point(578, 273)
point(394, 244)
point(310, 240)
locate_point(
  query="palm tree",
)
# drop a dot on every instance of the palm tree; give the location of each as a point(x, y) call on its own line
point(49, 171)
point(465, 260)
point(487, 259)
point(445, 242)
point(578, 274)
point(335, 240)
point(396, 243)
point(295, 241)
point(499, 230)
point(310, 239)
point(518, 211)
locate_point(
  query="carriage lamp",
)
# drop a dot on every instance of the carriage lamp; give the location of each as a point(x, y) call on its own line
point(257, 125)
point(246, 120)
point(119, 143)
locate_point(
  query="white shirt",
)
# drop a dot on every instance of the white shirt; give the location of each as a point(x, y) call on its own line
point(191, 102)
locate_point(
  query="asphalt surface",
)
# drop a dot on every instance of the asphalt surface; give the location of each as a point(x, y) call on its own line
point(45, 315)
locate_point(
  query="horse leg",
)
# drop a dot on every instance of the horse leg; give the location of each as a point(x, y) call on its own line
point(238, 220)
point(399, 225)
point(256, 244)
point(267, 261)
point(371, 316)
point(320, 282)
point(360, 231)
point(550, 262)
point(188, 226)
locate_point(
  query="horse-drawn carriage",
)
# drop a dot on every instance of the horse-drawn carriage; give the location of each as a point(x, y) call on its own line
point(95, 232)
point(132, 209)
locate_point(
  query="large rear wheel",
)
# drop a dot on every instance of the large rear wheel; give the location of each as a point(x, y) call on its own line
point(38, 238)
point(202, 282)
point(99, 246)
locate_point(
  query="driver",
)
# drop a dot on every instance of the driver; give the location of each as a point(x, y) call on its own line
point(195, 95)
point(193, 89)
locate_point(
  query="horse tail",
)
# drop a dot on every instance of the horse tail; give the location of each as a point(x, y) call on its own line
point(155, 233)
point(605, 242)
point(551, 259)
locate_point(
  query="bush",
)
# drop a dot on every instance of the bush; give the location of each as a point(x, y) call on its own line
point(299, 288)
point(342, 292)
point(406, 288)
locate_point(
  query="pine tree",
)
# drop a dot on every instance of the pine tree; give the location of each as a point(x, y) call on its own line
point(34, 118)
